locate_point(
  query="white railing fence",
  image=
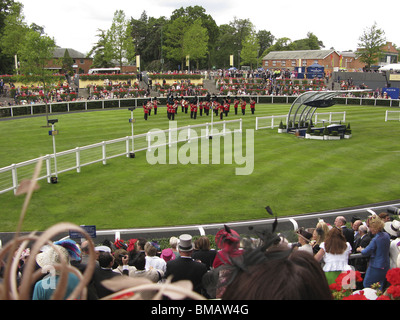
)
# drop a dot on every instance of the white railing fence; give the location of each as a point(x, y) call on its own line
point(331, 117)
point(75, 159)
point(392, 115)
point(270, 121)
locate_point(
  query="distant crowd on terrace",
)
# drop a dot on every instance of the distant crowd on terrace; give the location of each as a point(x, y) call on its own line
point(228, 82)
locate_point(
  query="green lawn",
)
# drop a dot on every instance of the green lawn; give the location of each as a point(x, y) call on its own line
point(291, 175)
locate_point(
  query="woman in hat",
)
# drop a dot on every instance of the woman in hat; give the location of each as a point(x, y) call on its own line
point(304, 238)
point(62, 251)
point(334, 252)
point(228, 240)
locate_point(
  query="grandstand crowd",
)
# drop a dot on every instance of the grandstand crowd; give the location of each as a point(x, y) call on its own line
point(357, 259)
point(228, 82)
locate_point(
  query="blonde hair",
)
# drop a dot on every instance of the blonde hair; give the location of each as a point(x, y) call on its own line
point(376, 223)
point(322, 230)
point(173, 242)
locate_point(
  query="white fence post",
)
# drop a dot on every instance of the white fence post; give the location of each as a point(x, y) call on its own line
point(78, 159)
point(103, 147)
point(48, 168)
point(14, 177)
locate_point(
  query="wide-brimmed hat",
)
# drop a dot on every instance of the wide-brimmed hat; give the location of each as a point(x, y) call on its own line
point(392, 227)
point(185, 243)
point(51, 256)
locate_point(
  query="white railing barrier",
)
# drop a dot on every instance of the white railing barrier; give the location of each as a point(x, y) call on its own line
point(389, 112)
point(330, 117)
point(271, 123)
point(209, 129)
point(79, 157)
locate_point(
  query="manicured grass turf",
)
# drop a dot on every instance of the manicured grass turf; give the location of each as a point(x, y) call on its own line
point(291, 175)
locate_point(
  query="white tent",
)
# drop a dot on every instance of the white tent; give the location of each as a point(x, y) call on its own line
point(392, 66)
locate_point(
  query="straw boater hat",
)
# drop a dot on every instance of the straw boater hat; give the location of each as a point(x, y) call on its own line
point(392, 227)
point(185, 243)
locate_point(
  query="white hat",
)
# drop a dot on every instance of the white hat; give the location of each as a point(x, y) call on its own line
point(185, 242)
point(392, 227)
point(103, 249)
point(51, 256)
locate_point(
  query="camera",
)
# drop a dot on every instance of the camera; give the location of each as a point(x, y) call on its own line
point(393, 210)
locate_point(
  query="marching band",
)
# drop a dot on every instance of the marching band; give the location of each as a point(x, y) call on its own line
point(202, 104)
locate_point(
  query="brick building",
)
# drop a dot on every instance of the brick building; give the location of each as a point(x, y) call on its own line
point(350, 62)
point(329, 59)
point(81, 63)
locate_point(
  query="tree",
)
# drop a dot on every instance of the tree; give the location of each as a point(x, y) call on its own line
point(13, 32)
point(173, 36)
point(195, 42)
point(119, 43)
point(309, 43)
point(243, 28)
point(371, 42)
point(266, 39)
point(100, 60)
point(35, 53)
point(6, 60)
point(66, 63)
point(147, 34)
point(250, 50)
point(225, 46)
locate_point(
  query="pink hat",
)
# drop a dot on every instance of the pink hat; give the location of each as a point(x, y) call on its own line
point(167, 254)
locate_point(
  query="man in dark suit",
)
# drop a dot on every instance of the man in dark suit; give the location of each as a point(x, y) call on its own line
point(184, 267)
point(340, 222)
point(363, 240)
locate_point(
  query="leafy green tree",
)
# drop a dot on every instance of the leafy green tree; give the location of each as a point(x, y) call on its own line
point(173, 36)
point(13, 32)
point(195, 42)
point(310, 43)
point(197, 12)
point(370, 44)
point(147, 34)
point(266, 39)
point(119, 43)
point(250, 51)
point(100, 59)
point(242, 29)
point(6, 60)
point(36, 52)
point(225, 46)
point(66, 63)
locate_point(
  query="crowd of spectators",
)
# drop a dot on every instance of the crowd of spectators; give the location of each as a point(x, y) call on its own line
point(280, 82)
point(259, 268)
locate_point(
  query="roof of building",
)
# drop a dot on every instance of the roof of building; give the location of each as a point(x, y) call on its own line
point(59, 53)
point(300, 54)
